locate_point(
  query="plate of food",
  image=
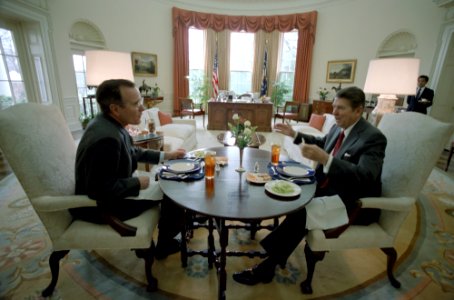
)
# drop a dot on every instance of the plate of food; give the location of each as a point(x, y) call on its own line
point(258, 178)
point(196, 154)
point(182, 166)
point(282, 188)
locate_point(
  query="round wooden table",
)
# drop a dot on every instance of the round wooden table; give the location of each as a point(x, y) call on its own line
point(230, 197)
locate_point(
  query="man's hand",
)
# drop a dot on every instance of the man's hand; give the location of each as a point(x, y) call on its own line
point(179, 153)
point(285, 129)
point(144, 182)
point(315, 153)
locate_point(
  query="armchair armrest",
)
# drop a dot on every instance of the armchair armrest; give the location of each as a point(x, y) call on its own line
point(394, 203)
point(57, 203)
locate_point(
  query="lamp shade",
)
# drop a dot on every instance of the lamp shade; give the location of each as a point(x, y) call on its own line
point(103, 65)
point(392, 76)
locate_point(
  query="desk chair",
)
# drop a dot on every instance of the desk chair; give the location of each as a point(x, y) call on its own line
point(290, 111)
point(187, 108)
point(415, 142)
point(41, 151)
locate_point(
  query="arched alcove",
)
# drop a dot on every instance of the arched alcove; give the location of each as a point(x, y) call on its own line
point(85, 33)
point(398, 44)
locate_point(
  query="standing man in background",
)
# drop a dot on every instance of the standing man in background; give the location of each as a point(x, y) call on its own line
point(424, 96)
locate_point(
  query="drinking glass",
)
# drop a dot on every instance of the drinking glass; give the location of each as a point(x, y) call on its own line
point(275, 152)
point(210, 164)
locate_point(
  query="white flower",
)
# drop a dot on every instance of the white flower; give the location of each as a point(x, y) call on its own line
point(247, 131)
point(247, 123)
point(235, 117)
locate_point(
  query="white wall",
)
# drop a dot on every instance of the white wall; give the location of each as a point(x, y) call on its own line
point(346, 29)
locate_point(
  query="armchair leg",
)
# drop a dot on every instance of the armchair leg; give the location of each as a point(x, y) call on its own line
point(54, 264)
point(311, 259)
point(392, 257)
point(148, 256)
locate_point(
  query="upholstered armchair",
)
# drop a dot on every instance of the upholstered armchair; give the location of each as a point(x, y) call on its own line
point(415, 142)
point(41, 151)
point(188, 108)
point(290, 111)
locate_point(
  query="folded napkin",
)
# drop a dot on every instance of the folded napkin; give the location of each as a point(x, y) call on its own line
point(168, 175)
point(300, 181)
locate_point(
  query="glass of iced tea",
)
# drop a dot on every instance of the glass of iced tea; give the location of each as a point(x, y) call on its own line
point(210, 164)
point(275, 152)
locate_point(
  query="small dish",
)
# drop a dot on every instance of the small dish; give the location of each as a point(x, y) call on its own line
point(258, 178)
point(282, 188)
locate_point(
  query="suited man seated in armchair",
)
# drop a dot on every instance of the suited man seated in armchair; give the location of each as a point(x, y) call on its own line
point(350, 159)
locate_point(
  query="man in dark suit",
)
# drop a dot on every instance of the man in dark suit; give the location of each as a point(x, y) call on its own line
point(423, 97)
point(349, 167)
point(106, 159)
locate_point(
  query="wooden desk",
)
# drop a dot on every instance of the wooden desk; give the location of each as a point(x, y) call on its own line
point(220, 113)
point(149, 102)
point(321, 107)
point(230, 197)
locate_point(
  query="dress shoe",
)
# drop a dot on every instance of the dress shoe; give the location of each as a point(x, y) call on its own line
point(254, 276)
point(164, 249)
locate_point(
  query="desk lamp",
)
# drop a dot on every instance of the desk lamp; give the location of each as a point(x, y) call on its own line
point(390, 77)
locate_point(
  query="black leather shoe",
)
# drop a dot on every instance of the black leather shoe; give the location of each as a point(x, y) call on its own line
point(254, 276)
point(164, 249)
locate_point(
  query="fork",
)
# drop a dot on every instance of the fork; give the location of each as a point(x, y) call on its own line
point(292, 179)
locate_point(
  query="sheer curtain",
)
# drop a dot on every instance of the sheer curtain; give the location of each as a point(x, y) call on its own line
point(305, 23)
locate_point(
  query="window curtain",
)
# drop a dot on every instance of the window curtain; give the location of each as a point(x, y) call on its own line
point(223, 40)
point(305, 23)
point(271, 41)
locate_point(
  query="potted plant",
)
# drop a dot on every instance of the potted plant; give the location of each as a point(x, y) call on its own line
point(201, 92)
point(280, 90)
point(85, 119)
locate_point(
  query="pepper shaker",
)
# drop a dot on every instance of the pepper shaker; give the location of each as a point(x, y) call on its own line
point(256, 167)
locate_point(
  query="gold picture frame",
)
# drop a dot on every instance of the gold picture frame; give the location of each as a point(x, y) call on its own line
point(144, 64)
point(341, 71)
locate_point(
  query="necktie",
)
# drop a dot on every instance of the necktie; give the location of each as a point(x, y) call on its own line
point(418, 94)
point(340, 138)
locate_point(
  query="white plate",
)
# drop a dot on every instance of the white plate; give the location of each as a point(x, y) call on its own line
point(182, 166)
point(296, 171)
point(258, 178)
point(282, 188)
point(197, 154)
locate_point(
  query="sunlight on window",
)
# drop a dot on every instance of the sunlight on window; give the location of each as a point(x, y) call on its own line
point(12, 87)
point(196, 62)
point(241, 61)
point(288, 60)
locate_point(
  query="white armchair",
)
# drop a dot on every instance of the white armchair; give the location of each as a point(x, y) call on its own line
point(415, 142)
point(41, 151)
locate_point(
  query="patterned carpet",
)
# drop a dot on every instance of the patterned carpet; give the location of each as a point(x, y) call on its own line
point(425, 266)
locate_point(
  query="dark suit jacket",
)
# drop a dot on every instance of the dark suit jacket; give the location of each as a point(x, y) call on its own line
point(355, 171)
point(421, 107)
point(106, 159)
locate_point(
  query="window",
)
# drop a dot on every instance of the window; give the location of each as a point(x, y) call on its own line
point(241, 61)
point(12, 87)
point(286, 72)
point(197, 76)
point(80, 71)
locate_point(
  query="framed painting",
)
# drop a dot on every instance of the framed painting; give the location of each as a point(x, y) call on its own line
point(144, 64)
point(341, 71)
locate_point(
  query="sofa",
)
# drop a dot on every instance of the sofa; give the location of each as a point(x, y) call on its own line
point(318, 125)
point(178, 133)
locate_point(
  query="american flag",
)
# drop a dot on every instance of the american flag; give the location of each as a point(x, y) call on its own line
point(215, 79)
point(264, 87)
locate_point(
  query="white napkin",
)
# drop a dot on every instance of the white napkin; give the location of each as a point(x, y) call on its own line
point(326, 212)
point(153, 192)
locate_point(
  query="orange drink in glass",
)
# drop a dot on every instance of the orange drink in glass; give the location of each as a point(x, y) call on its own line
point(210, 164)
point(275, 152)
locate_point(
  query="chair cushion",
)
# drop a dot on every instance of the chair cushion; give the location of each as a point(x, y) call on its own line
point(317, 121)
point(164, 118)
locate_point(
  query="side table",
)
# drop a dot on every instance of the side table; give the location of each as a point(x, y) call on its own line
point(149, 141)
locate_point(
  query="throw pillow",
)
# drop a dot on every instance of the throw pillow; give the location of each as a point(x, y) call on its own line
point(317, 121)
point(164, 118)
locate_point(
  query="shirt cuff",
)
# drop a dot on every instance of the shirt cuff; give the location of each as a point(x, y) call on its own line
point(328, 164)
point(161, 156)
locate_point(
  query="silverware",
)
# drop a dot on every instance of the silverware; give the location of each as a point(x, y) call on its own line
point(173, 175)
point(292, 179)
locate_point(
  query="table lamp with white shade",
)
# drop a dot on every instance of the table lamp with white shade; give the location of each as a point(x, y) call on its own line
point(390, 77)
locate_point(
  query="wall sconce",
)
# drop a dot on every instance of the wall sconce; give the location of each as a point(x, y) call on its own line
point(390, 77)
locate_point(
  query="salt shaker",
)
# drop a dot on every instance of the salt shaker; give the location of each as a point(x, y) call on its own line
point(256, 167)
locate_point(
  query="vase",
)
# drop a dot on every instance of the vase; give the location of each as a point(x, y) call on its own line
point(240, 169)
point(322, 97)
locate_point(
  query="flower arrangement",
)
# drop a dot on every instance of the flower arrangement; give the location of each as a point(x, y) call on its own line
point(323, 93)
point(242, 131)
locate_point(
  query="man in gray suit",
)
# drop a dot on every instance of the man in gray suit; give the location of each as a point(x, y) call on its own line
point(106, 160)
point(349, 167)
